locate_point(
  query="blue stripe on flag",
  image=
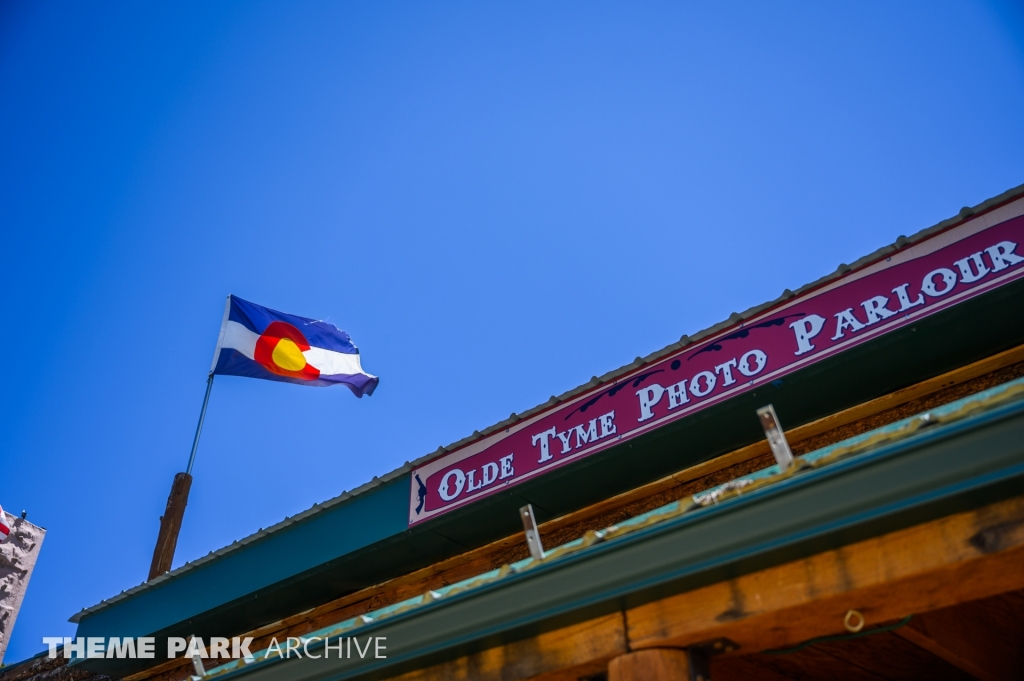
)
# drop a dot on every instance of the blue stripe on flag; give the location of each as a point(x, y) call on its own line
point(319, 334)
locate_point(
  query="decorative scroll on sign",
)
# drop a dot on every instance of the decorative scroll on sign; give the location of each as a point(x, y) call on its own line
point(930, 276)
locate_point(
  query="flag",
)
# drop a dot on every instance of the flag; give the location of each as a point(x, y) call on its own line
point(258, 342)
point(5, 528)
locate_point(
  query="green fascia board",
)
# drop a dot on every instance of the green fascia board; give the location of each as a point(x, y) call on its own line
point(807, 395)
point(349, 526)
point(294, 568)
point(940, 471)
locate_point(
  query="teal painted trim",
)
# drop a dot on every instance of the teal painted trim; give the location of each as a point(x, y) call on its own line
point(933, 473)
point(313, 541)
point(823, 453)
point(897, 360)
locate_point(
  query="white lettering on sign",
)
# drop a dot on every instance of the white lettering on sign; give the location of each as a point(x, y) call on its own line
point(446, 489)
point(676, 395)
point(806, 329)
point(565, 437)
point(972, 268)
point(846, 320)
point(1002, 255)
point(545, 448)
point(607, 424)
point(702, 384)
point(752, 363)
point(947, 280)
point(456, 480)
point(905, 302)
point(576, 436)
point(889, 293)
point(935, 284)
point(506, 467)
point(725, 371)
point(876, 310)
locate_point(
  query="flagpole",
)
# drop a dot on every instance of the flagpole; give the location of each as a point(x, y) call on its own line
point(174, 513)
point(199, 428)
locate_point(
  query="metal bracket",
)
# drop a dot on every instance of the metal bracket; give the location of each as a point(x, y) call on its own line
point(197, 664)
point(700, 653)
point(532, 535)
point(776, 438)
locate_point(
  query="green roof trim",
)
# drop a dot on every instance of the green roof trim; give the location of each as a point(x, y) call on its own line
point(154, 613)
point(995, 415)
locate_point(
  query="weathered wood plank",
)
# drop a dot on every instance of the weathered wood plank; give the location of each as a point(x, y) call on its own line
point(654, 664)
point(956, 559)
point(572, 652)
point(951, 560)
point(607, 512)
point(882, 657)
point(885, 655)
point(748, 669)
point(976, 637)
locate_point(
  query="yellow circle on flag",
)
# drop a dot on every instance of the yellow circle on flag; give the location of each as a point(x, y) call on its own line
point(288, 356)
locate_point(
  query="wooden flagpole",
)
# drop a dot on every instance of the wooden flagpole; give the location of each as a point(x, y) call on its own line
point(170, 521)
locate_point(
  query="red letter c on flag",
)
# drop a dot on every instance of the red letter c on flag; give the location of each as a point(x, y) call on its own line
point(279, 349)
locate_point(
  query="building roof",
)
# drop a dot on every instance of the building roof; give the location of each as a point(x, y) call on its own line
point(897, 471)
point(736, 318)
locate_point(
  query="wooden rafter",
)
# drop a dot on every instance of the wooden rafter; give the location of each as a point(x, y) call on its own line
point(954, 560)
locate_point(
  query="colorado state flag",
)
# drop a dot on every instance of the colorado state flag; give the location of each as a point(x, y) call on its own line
point(258, 342)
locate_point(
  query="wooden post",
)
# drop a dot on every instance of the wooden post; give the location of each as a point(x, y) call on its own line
point(170, 525)
point(170, 521)
point(657, 664)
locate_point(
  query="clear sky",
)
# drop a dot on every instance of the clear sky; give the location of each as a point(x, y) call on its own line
point(498, 201)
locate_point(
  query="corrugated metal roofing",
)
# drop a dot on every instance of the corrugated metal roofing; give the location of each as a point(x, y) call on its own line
point(735, 318)
point(959, 410)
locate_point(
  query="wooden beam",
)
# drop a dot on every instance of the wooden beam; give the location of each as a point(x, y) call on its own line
point(744, 669)
point(881, 657)
point(573, 652)
point(654, 664)
point(974, 637)
point(573, 525)
point(956, 559)
point(795, 436)
point(952, 560)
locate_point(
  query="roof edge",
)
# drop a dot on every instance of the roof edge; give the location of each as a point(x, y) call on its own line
point(966, 213)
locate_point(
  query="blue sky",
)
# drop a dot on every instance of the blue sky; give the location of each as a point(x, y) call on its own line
point(497, 201)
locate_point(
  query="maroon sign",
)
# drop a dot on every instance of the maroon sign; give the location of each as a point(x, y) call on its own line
point(932, 275)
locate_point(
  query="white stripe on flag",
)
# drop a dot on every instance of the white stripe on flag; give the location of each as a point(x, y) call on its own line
point(237, 337)
point(329, 362)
